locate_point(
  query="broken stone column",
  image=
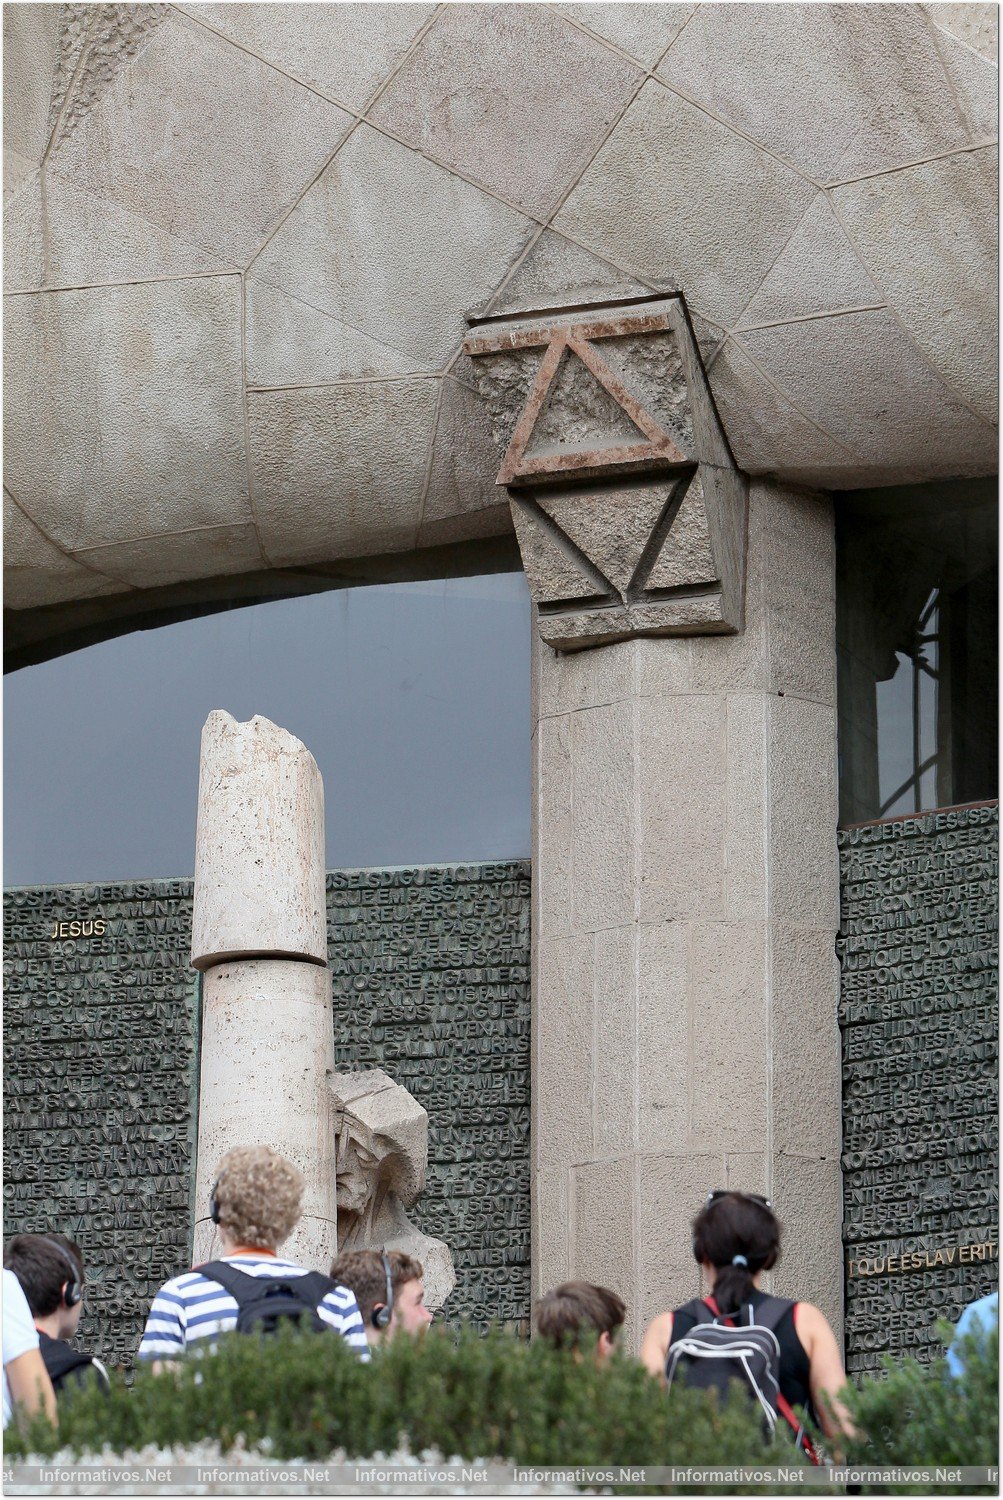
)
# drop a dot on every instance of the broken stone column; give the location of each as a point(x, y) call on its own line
point(259, 934)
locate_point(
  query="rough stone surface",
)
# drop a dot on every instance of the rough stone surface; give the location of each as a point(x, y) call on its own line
point(203, 140)
point(605, 1189)
point(291, 342)
point(976, 85)
point(266, 1036)
point(259, 846)
point(669, 223)
point(835, 94)
point(346, 51)
point(155, 370)
point(202, 552)
point(929, 237)
point(816, 271)
point(382, 1151)
point(461, 482)
point(558, 273)
point(509, 97)
point(340, 469)
point(873, 371)
point(975, 25)
point(37, 571)
point(643, 31)
point(30, 53)
point(443, 247)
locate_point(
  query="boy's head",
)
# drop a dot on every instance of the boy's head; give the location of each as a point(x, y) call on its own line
point(577, 1306)
point(50, 1268)
point(257, 1197)
point(389, 1288)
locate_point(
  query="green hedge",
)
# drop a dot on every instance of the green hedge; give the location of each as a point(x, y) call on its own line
point(491, 1396)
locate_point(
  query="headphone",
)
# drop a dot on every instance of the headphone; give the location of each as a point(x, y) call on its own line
point(73, 1291)
point(381, 1316)
point(214, 1202)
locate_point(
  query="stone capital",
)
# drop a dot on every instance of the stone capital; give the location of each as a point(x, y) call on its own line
point(630, 513)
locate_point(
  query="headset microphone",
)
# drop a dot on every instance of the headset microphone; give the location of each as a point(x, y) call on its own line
point(381, 1315)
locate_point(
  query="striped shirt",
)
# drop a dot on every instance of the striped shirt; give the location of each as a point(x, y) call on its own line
point(192, 1308)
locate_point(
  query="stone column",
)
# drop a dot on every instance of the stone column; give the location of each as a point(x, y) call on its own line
point(259, 933)
point(685, 872)
point(684, 917)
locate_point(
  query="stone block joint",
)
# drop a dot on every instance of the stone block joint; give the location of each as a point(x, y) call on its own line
point(630, 514)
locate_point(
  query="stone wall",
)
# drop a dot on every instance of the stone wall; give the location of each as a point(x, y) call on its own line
point(431, 981)
point(919, 1016)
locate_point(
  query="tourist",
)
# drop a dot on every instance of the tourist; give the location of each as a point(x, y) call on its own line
point(26, 1383)
point(577, 1307)
point(736, 1237)
point(978, 1319)
point(389, 1287)
point(255, 1205)
point(50, 1269)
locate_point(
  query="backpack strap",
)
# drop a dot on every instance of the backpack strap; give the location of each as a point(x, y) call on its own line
point(310, 1288)
point(774, 1309)
point(61, 1360)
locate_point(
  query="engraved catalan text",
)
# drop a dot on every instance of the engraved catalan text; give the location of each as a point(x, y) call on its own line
point(431, 982)
point(430, 976)
point(919, 1018)
point(100, 1073)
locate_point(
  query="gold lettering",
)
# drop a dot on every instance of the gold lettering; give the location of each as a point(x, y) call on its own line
point(966, 1252)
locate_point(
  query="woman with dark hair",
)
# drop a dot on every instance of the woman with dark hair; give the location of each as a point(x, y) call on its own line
point(736, 1237)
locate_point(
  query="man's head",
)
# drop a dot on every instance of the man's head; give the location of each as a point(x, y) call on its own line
point(257, 1197)
point(389, 1289)
point(577, 1306)
point(50, 1269)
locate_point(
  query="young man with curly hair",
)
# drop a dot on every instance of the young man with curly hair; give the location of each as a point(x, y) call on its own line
point(389, 1287)
point(255, 1205)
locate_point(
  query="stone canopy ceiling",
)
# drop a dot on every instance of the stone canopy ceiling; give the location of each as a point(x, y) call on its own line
point(242, 240)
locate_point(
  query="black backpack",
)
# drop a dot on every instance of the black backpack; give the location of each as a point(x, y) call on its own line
point(265, 1301)
point(717, 1351)
point(68, 1367)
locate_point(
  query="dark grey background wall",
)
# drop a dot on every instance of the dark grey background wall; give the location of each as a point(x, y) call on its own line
point(919, 1014)
point(430, 970)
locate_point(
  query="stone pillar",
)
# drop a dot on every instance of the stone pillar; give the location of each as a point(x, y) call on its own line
point(685, 873)
point(259, 934)
point(684, 917)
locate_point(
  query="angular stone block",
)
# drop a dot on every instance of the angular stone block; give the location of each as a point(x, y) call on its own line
point(344, 50)
point(582, 679)
point(614, 1043)
point(877, 393)
point(682, 751)
point(799, 591)
point(290, 343)
point(463, 459)
point(747, 792)
point(643, 31)
point(929, 237)
point(975, 25)
point(528, 140)
point(156, 370)
point(559, 273)
point(202, 140)
point(340, 471)
point(553, 828)
point(886, 102)
point(205, 552)
point(804, 874)
point(805, 1067)
point(664, 1028)
point(393, 246)
point(730, 1047)
point(603, 1214)
point(817, 271)
point(37, 572)
point(266, 1035)
point(808, 1199)
point(259, 846)
point(679, 222)
point(551, 1250)
point(671, 1192)
point(562, 1067)
point(602, 817)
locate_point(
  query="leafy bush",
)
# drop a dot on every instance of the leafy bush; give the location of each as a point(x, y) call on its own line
point(468, 1395)
point(920, 1415)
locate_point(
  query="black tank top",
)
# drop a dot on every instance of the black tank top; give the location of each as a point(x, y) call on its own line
point(795, 1368)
